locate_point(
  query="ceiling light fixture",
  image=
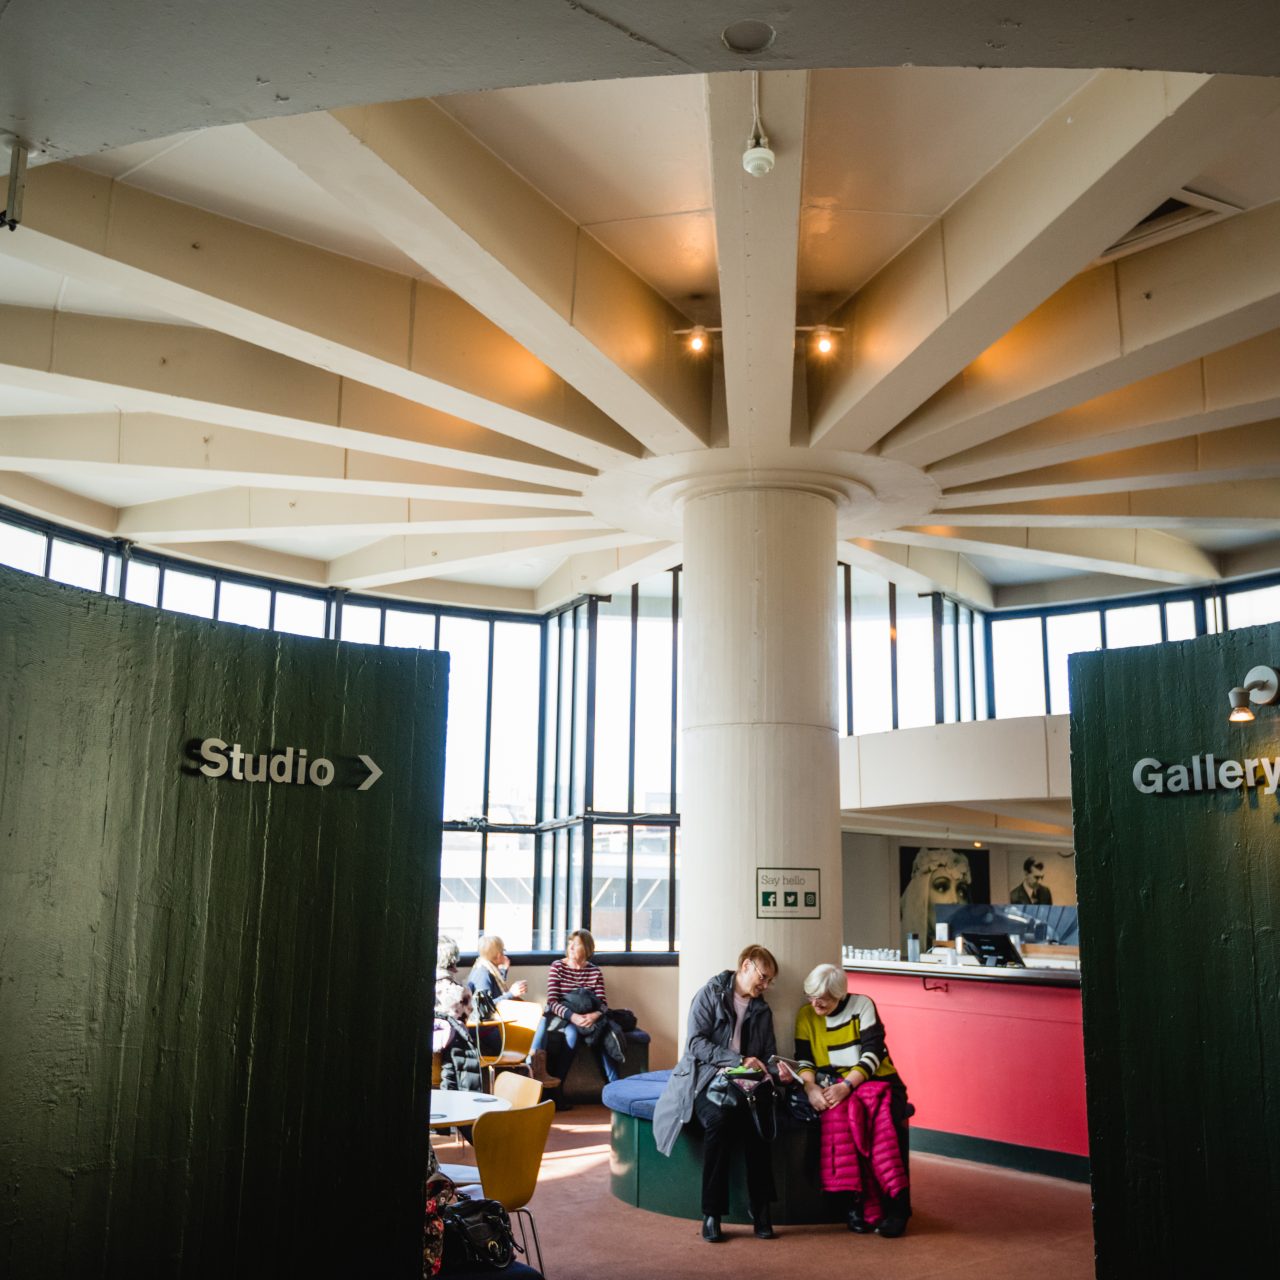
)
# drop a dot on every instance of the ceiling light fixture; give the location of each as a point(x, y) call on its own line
point(699, 338)
point(1261, 688)
point(757, 159)
point(823, 342)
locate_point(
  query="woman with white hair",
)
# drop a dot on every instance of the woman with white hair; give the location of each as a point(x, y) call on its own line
point(938, 877)
point(488, 975)
point(851, 1081)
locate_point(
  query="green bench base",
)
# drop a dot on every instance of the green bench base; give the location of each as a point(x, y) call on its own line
point(672, 1185)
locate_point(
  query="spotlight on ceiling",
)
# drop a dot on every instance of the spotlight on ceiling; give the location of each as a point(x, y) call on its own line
point(824, 342)
point(1261, 688)
point(698, 338)
point(758, 158)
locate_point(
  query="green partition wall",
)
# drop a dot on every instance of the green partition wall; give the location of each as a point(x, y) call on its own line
point(1179, 894)
point(214, 994)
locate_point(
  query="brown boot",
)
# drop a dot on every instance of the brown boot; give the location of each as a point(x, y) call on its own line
point(538, 1069)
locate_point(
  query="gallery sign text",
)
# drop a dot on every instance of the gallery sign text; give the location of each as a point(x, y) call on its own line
point(288, 765)
point(1207, 773)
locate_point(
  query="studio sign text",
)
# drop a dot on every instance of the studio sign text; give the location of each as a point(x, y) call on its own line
point(1207, 773)
point(289, 765)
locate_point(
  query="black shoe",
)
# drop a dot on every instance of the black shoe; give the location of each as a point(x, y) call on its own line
point(857, 1222)
point(892, 1227)
point(711, 1232)
point(762, 1226)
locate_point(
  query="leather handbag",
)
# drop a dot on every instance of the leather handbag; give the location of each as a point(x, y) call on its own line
point(477, 1233)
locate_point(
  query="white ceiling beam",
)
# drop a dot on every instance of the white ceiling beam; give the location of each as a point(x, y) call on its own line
point(1130, 553)
point(919, 569)
point(197, 373)
point(245, 514)
point(1237, 453)
point(602, 573)
point(757, 240)
point(1243, 504)
point(1101, 162)
point(418, 178)
point(151, 446)
point(28, 493)
point(261, 560)
point(1109, 327)
point(408, 557)
point(1237, 385)
point(406, 337)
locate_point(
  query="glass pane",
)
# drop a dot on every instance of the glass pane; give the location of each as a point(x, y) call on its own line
point(609, 887)
point(188, 593)
point(950, 694)
point(573, 904)
point(1017, 661)
point(1138, 624)
point(842, 676)
point(653, 697)
point(582, 623)
point(508, 894)
point(142, 583)
point(410, 630)
point(916, 704)
point(467, 642)
point(1180, 619)
point(300, 615)
point(460, 887)
point(651, 896)
point(1069, 633)
point(564, 730)
point(679, 645)
point(1253, 608)
point(76, 564)
point(361, 624)
point(513, 741)
point(675, 840)
point(981, 710)
point(113, 575)
point(249, 606)
point(542, 926)
point(965, 636)
point(613, 703)
point(22, 548)
point(551, 640)
point(560, 891)
point(872, 694)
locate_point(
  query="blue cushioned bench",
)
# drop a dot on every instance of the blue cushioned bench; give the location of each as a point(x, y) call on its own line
point(639, 1175)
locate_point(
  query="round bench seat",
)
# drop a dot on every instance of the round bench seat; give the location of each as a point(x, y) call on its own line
point(672, 1185)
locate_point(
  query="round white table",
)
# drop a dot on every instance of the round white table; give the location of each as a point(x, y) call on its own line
point(451, 1107)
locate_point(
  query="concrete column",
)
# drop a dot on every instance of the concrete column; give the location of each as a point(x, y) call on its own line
point(761, 779)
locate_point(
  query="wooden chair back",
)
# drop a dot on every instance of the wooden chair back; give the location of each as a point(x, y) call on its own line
point(509, 1147)
point(518, 1090)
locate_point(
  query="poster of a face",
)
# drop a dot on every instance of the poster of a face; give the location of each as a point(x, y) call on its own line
point(930, 877)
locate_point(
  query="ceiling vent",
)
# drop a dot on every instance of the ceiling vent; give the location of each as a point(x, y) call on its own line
point(1185, 210)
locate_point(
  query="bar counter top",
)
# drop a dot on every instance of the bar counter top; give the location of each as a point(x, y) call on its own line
point(1030, 977)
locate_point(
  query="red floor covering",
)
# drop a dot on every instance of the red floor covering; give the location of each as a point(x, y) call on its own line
point(971, 1222)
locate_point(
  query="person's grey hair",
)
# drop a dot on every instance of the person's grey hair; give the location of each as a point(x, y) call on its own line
point(826, 980)
point(450, 996)
point(447, 955)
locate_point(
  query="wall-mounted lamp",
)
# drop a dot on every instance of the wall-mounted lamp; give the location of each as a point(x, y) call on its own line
point(698, 338)
point(823, 342)
point(1261, 688)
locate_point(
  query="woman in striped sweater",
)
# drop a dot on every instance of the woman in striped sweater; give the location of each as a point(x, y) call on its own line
point(572, 973)
point(851, 1081)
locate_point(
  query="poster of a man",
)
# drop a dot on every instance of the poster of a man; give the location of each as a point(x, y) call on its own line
point(1031, 891)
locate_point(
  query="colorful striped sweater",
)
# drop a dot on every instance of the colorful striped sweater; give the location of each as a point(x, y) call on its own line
point(561, 979)
point(851, 1035)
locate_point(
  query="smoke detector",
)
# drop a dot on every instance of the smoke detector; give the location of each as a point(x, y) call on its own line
point(758, 159)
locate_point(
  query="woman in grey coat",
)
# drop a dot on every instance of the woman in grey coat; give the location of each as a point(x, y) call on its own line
point(730, 1025)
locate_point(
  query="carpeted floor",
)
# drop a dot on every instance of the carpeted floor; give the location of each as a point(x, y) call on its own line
point(971, 1222)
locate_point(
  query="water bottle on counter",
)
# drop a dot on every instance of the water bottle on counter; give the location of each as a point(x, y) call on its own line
point(913, 947)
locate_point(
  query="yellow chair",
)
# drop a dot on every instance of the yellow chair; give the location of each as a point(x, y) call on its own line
point(521, 1018)
point(509, 1147)
point(520, 1091)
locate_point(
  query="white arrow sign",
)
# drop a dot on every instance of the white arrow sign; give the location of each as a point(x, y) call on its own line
point(374, 774)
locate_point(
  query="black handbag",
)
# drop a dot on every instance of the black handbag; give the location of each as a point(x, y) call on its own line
point(753, 1090)
point(477, 1233)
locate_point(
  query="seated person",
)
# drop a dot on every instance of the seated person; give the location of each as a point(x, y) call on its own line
point(575, 973)
point(453, 1040)
point(488, 975)
point(851, 1081)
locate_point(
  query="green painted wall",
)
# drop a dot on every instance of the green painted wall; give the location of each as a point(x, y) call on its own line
point(214, 996)
point(1180, 938)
